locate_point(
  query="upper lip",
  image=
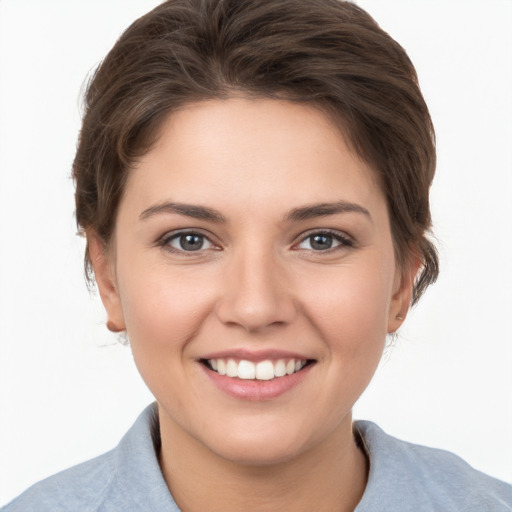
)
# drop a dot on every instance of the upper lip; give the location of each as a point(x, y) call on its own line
point(255, 355)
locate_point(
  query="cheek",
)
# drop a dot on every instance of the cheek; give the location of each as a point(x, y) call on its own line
point(163, 315)
point(163, 310)
point(350, 307)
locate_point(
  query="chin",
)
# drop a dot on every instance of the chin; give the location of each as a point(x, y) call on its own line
point(263, 445)
point(258, 453)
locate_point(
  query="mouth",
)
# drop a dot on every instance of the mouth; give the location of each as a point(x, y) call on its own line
point(265, 370)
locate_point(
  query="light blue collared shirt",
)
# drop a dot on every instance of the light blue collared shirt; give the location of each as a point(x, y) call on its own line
point(403, 478)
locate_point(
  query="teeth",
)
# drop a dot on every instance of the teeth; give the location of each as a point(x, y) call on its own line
point(246, 370)
point(280, 368)
point(231, 368)
point(264, 370)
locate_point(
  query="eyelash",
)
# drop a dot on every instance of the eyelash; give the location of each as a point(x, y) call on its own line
point(166, 240)
point(344, 241)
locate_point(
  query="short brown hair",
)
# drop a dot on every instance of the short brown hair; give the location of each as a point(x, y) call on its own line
point(328, 53)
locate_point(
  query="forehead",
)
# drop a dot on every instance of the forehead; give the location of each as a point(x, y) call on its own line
point(251, 151)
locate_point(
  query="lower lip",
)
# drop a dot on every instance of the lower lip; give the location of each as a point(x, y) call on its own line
point(257, 390)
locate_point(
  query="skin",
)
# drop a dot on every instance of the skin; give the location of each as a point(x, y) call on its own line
point(256, 283)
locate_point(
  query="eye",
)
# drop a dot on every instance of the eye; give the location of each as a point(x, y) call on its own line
point(187, 241)
point(323, 241)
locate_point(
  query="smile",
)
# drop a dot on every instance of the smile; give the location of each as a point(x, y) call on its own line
point(262, 370)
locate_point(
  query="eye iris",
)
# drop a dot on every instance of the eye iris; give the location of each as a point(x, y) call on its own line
point(321, 242)
point(191, 242)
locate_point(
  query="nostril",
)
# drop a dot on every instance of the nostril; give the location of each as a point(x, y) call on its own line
point(256, 313)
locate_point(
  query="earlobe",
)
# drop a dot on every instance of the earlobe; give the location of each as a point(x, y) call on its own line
point(105, 279)
point(402, 294)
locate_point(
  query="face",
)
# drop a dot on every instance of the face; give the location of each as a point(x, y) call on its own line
point(253, 269)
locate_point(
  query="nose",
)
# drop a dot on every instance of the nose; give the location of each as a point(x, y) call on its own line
point(257, 293)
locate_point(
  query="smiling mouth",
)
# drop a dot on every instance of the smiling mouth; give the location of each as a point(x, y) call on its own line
point(263, 370)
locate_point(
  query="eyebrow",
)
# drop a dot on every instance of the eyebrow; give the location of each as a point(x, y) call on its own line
point(324, 209)
point(295, 215)
point(189, 210)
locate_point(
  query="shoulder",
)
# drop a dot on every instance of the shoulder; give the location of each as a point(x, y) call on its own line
point(406, 476)
point(83, 487)
point(125, 479)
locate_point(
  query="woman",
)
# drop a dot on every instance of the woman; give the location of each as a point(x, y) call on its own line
point(252, 180)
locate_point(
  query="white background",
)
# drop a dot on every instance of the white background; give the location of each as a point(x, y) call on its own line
point(68, 391)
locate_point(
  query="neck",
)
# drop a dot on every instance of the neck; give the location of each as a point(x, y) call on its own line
point(330, 476)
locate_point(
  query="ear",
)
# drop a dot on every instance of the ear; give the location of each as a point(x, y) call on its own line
point(104, 273)
point(402, 292)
